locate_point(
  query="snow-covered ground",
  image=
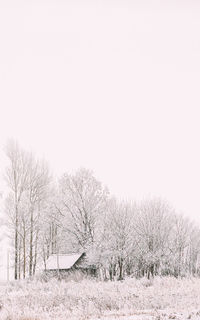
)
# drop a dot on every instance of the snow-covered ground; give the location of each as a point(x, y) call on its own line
point(162, 298)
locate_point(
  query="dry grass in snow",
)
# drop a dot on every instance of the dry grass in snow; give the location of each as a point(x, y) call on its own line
point(163, 298)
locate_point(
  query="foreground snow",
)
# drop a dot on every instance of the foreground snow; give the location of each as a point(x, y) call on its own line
point(164, 298)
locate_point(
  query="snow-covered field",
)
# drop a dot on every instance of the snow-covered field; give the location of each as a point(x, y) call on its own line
point(162, 298)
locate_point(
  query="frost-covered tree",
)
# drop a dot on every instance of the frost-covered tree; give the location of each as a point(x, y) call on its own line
point(123, 239)
point(180, 243)
point(152, 228)
point(193, 251)
point(118, 238)
point(28, 180)
point(17, 178)
point(83, 203)
point(39, 180)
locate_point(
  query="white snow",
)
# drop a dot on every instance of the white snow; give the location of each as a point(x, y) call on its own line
point(64, 261)
point(160, 299)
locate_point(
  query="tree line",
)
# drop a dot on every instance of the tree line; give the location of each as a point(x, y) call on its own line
point(78, 214)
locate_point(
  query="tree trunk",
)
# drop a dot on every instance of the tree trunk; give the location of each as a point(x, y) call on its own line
point(31, 244)
point(120, 262)
point(19, 261)
point(35, 254)
point(24, 260)
point(16, 241)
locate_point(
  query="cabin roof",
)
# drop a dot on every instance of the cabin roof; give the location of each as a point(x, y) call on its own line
point(62, 261)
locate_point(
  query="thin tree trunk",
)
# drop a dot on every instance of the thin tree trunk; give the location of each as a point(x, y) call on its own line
point(16, 239)
point(35, 255)
point(44, 258)
point(19, 261)
point(120, 262)
point(31, 245)
point(24, 248)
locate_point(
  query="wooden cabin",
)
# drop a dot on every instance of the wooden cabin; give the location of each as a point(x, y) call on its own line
point(61, 265)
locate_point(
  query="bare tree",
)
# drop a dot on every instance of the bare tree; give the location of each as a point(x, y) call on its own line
point(152, 228)
point(117, 238)
point(17, 178)
point(28, 180)
point(181, 239)
point(144, 239)
point(39, 180)
point(82, 205)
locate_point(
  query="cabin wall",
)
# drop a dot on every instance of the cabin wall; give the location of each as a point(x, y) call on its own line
point(75, 273)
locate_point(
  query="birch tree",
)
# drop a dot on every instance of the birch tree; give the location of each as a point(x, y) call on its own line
point(39, 180)
point(28, 180)
point(17, 178)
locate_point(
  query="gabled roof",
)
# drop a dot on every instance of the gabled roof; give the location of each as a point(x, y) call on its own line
point(62, 261)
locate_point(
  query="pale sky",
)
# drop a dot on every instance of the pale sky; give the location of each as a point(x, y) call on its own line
point(113, 86)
